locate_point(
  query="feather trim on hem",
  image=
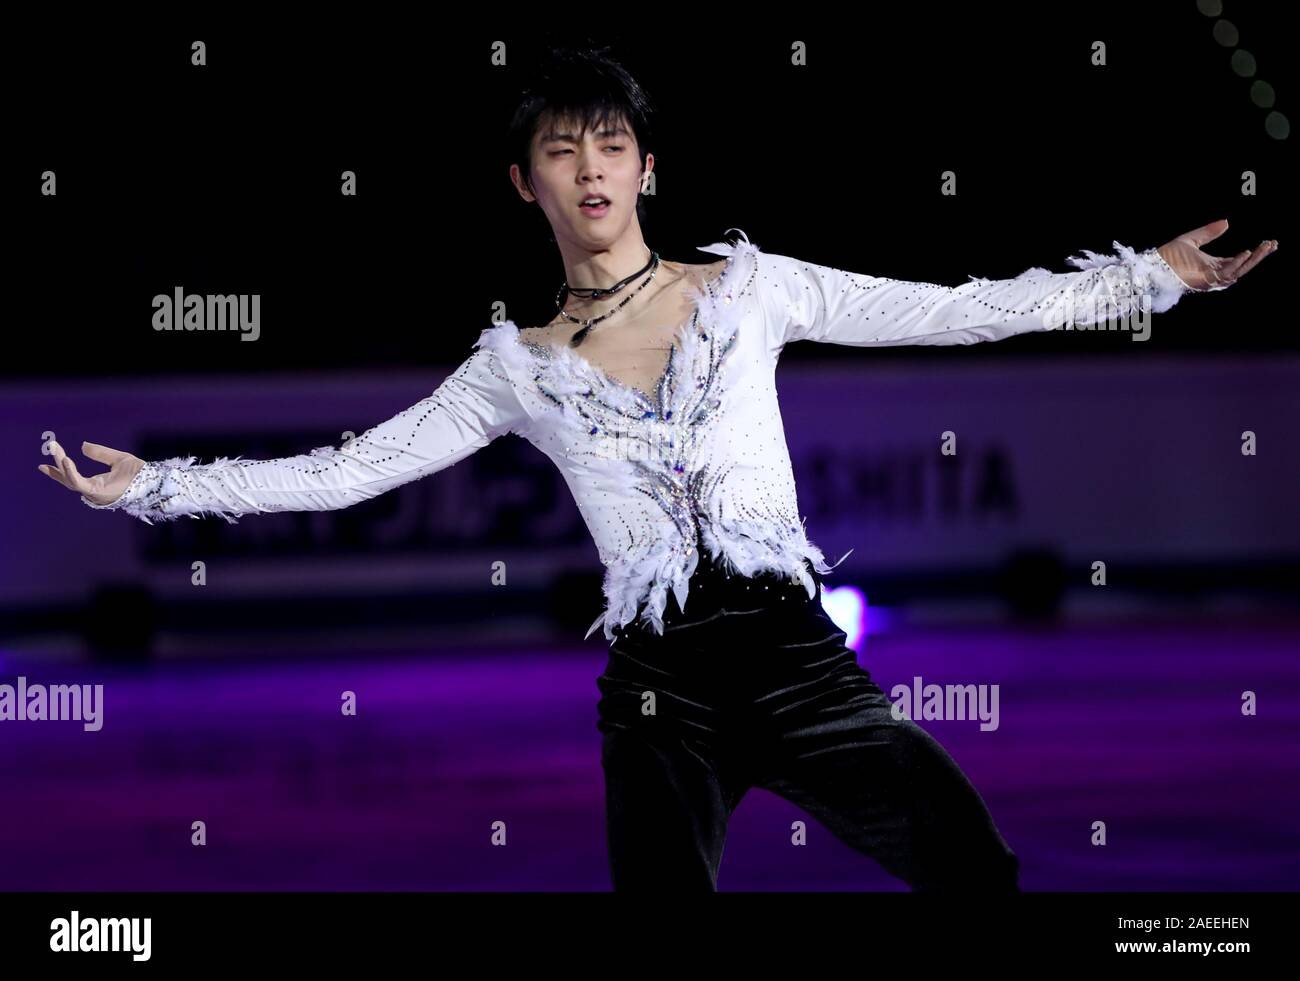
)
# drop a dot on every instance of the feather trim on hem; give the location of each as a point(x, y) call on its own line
point(744, 548)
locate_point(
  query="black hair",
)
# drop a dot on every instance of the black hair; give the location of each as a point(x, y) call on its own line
point(583, 85)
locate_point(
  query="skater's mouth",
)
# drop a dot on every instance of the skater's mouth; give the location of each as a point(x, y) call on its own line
point(594, 205)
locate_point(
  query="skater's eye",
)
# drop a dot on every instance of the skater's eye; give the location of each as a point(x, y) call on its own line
point(556, 153)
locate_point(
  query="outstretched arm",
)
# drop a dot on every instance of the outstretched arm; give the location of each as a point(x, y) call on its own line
point(473, 406)
point(804, 301)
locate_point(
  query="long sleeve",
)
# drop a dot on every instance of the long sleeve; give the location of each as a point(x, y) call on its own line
point(804, 301)
point(474, 405)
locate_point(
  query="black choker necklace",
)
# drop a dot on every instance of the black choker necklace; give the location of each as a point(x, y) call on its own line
point(600, 292)
point(597, 291)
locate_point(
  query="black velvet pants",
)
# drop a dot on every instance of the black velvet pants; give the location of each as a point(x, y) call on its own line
point(754, 687)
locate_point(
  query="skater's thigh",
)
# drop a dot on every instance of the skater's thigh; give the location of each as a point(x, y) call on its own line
point(886, 787)
point(859, 757)
point(668, 775)
point(668, 801)
point(679, 778)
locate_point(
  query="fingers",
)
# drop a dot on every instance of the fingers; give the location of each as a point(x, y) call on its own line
point(1207, 233)
point(58, 471)
point(102, 454)
point(53, 474)
point(64, 470)
point(72, 475)
point(1263, 251)
point(1226, 272)
point(67, 469)
point(56, 451)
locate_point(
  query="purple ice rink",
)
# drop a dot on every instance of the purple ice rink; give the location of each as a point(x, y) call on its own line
point(1139, 726)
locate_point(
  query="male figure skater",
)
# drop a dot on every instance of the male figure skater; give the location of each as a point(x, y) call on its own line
point(653, 392)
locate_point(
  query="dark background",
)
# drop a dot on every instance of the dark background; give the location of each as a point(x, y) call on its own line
point(225, 178)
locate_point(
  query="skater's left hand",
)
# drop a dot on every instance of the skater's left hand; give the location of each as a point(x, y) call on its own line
point(1205, 273)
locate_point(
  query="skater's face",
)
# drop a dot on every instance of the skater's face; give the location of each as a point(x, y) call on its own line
point(569, 166)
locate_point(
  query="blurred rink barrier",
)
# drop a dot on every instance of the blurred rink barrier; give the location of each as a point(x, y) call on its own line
point(987, 488)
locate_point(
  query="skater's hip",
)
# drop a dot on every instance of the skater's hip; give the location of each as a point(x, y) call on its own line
point(747, 653)
point(720, 599)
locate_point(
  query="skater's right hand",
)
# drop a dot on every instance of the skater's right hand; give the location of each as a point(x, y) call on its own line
point(103, 488)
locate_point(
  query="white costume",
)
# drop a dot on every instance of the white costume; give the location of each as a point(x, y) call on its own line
point(701, 465)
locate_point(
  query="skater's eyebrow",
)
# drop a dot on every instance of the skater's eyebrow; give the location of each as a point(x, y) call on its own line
point(608, 133)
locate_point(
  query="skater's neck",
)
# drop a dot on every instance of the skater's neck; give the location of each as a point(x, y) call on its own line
point(588, 266)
